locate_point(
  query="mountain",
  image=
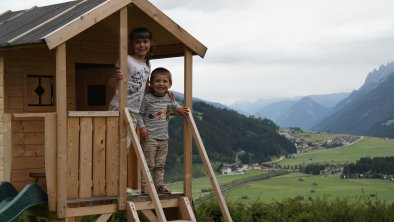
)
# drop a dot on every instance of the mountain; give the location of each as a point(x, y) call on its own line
point(329, 100)
point(252, 107)
point(276, 110)
point(374, 78)
point(179, 96)
point(367, 111)
point(304, 114)
point(225, 133)
point(272, 106)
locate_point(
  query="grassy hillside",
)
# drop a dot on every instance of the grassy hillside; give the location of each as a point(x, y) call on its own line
point(297, 184)
point(367, 146)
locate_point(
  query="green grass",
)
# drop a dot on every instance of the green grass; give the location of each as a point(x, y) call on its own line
point(367, 146)
point(289, 186)
point(278, 188)
point(316, 137)
point(203, 183)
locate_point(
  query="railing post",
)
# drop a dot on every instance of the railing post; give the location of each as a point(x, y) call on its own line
point(123, 48)
point(187, 135)
point(61, 111)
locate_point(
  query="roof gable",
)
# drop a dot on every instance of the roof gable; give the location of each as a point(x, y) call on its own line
point(56, 24)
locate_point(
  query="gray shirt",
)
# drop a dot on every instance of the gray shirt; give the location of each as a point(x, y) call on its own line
point(154, 115)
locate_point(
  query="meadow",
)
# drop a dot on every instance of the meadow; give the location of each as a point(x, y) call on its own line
point(366, 146)
point(308, 186)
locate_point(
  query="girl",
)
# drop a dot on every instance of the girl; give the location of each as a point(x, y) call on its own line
point(138, 68)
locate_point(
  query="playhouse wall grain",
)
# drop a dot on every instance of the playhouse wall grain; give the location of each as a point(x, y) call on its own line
point(94, 46)
point(1, 117)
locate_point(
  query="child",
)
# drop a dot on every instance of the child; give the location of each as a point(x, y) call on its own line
point(153, 125)
point(138, 68)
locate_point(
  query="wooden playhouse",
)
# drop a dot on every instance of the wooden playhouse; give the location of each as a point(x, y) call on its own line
point(54, 65)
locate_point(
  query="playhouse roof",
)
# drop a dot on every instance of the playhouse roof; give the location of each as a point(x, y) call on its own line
point(55, 24)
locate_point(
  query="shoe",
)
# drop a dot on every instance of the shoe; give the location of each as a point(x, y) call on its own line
point(144, 190)
point(131, 192)
point(163, 190)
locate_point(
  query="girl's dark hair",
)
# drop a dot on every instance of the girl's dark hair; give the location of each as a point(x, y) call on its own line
point(142, 33)
point(161, 71)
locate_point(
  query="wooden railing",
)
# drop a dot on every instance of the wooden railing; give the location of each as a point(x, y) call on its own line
point(92, 159)
point(208, 168)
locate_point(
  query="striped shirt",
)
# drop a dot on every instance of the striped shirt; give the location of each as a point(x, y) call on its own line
point(154, 115)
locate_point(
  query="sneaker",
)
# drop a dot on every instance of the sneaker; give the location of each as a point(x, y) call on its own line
point(131, 192)
point(163, 190)
point(144, 190)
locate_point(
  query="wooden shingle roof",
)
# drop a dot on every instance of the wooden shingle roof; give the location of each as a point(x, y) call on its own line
point(56, 24)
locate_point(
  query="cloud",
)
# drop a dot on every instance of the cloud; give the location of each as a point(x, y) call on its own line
point(264, 48)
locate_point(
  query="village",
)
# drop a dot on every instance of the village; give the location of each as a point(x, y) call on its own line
point(304, 143)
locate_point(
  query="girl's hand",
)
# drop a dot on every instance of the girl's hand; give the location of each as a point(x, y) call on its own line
point(117, 74)
point(184, 111)
point(143, 133)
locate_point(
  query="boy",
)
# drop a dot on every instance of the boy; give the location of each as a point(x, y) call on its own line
point(155, 109)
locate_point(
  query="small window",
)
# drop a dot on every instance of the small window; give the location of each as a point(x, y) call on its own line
point(96, 95)
point(39, 90)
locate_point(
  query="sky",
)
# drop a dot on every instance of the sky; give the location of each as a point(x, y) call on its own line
point(264, 49)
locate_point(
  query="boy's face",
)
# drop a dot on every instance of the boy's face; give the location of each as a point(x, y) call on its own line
point(160, 84)
point(141, 47)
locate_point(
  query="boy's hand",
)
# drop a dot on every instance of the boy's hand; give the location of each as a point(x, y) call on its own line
point(143, 133)
point(184, 111)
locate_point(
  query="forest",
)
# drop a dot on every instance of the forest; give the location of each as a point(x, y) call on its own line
point(225, 133)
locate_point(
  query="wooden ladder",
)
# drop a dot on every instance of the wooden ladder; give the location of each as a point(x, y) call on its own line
point(183, 204)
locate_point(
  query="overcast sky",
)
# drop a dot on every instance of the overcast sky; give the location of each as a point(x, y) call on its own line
point(276, 48)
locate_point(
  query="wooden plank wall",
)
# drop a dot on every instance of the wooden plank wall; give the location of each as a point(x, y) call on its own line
point(2, 118)
point(88, 47)
point(93, 151)
point(28, 139)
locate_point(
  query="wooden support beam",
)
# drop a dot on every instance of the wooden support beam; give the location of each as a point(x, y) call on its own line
point(187, 134)
point(208, 168)
point(132, 215)
point(103, 217)
point(7, 146)
point(61, 110)
point(92, 113)
point(186, 210)
point(123, 53)
point(84, 211)
point(50, 159)
point(149, 215)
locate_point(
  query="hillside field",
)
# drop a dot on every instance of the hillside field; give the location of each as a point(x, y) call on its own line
point(366, 146)
point(298, 184)
point(331, 187)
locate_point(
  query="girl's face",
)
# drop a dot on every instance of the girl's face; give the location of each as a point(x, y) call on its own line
point(160, 84)
point(141, 48)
